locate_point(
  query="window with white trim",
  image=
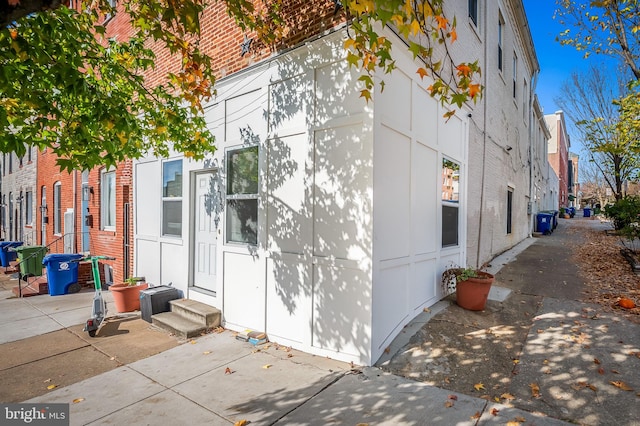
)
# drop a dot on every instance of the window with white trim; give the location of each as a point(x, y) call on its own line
point(242, 195)
point(450, 202)
point(473, 11)
point(28, 205)
point(57, 208)
point(515, 74)
point(172, 198)
point(500, 41)
point(107, 200)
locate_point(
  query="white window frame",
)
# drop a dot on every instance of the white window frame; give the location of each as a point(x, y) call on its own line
point(165, 231)
point(500, 41)
point(107, 200)
point(234, 197)
point(515, 76)
point(28, 202)
point(474, 12)
point(57, 208)
point(450, 186)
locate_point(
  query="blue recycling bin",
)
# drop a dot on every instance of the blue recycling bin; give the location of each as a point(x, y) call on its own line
point(62, 274)
point(6, 255)
point(572, 211)
point(543, 223)
point(586, 212)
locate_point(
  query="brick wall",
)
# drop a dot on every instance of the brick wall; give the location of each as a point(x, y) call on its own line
point(101, 242)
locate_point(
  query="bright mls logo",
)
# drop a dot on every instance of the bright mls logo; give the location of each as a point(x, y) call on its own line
point(35, 414)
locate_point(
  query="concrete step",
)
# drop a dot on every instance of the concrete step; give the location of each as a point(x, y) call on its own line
point(198, 312)
point(32, 287)
point(178, 324)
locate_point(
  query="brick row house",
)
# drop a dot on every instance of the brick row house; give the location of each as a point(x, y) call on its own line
point(559, 147)
point(86, 211)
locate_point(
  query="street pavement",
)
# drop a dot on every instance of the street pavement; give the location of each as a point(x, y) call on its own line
point(218, 380)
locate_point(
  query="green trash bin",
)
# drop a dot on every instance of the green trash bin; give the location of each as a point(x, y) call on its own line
point(30, 258)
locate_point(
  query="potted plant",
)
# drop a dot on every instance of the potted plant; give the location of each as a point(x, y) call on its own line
point(471, 286)
point(126, 296)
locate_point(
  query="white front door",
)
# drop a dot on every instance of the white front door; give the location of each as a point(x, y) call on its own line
point(206, 199)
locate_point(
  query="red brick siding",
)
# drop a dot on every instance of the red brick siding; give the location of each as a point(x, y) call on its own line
point(101, 242)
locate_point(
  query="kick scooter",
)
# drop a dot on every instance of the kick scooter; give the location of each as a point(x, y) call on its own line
point(99, 310)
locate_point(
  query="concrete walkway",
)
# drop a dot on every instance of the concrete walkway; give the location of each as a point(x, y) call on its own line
point(218, 380)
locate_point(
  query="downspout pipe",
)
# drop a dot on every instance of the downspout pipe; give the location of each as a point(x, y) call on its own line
point(532, 90)
point(484, 144)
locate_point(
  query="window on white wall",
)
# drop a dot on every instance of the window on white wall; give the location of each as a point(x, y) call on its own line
point(473, 11)
point(515, 74)
point(57, 208)
point(509, 209)
point(172, 198)
point(242, 195)
point(107, 200)
point(500, 41)
point(450, 202)
point(525, 97)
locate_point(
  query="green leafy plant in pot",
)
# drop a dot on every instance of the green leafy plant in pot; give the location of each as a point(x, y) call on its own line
point(471, 286)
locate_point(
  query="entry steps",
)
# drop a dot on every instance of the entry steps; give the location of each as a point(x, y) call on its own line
point(34, 286)
point(188, 318)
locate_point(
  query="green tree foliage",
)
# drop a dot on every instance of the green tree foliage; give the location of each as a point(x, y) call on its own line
point(610, 132)
point(64, 85)
point(608, 27)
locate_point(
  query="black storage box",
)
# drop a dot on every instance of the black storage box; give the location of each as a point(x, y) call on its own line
point(155, 300)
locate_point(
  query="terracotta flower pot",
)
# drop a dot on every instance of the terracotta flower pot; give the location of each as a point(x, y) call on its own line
point(126, 297)
point(472, 294)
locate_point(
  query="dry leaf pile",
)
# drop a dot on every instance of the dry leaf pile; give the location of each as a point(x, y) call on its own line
point(607, 274)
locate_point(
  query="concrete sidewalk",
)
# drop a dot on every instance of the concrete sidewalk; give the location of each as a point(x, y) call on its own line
point(218, 380)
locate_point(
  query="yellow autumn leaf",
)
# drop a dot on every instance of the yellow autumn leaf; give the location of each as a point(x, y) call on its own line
point(414, 27)
point(52, 387)
point(621, 385)
point(206, 352)
point(77, 400)
point(535, 390)
point(507, 396)
point(478, 386)
point(193, 342)
point(241, 423)
point(266, 366)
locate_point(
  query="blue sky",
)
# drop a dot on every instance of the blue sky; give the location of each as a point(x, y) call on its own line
point(556, 62)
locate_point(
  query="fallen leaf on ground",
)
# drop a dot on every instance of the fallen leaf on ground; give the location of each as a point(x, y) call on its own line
point(206, 352)
point(478, 386)
point(362, 424)
point(52, 387)
point(448, 404)
point(241, 423)
point(494, 411)
point(476, 415)
point(453, 397)
point(193, 342)
point(600, 370)
point(507, 396)
point(516, 361)
point(596, 360)
point(228, 371)
point(77, 400)
point(47, 381)
point(622, 385)
point(535, 390)
point(266, 366)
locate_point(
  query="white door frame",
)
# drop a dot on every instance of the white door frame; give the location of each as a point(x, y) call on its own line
point(193, 211)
